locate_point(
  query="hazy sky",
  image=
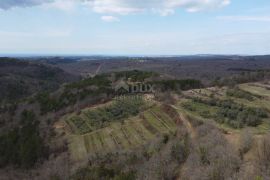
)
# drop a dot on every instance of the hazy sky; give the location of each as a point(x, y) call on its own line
point(135, 27)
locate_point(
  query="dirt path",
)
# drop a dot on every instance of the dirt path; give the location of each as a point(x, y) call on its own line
point(186, 123)
point(98, 69)
point(191, 130)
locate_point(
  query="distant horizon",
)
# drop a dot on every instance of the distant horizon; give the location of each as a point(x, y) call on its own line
point(132, 27)
point(120, 55)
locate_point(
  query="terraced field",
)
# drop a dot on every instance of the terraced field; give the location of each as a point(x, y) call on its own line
point(140, 129)
point(257, 89)
point(91, 119)
point(131, 133)
point(255, 95)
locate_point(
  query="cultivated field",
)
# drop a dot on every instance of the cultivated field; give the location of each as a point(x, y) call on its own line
point(252, 96)
point(137, 129)
point(128, 133)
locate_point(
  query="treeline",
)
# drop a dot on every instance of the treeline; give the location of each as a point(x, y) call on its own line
point(176, 85)
point(22, 146)
point(102, 85)
point(100, 88)
point(74, 92)
point(6, 61)
point(243, 77)
point(21, 78)
point(135, 75)
point(99, 80)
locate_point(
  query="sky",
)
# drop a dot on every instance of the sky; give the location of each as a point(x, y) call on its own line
point(135, 27)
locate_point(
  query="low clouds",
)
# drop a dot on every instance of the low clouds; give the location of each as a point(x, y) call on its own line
point(124, 7)
point(109, 19)
point(112, 8)
point(163, 7)
point(7, 4)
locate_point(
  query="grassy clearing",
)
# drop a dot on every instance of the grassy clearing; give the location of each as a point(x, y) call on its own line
point(77, 147)
point(155, 122)
point(264, 127)
point(255, 89)
point(200, 109)
point(196, 119)
point(206, 93)
point(256, 103)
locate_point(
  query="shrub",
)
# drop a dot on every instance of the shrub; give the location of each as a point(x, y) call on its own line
point(234, 114)
point(188, 106)
point(101, 171)
point(120, 109)
point(180, 150)
point(262, 152)
point(211, 157)
point(238, 93)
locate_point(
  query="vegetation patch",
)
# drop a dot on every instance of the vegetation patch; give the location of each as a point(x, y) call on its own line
point(227, 112)
point(159, 159)
point(103, 172)
point(256, 90)
point(129, 133)
point(120, 109)
point(135, 75)
point(238, 93)
point(175, 85)
point(22, 146)
point(74, 92)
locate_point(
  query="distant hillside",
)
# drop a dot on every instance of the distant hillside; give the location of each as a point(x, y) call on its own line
point(206, 68)
point(20, 78)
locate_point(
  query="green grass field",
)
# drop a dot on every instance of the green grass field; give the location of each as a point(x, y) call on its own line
point(255, 89)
